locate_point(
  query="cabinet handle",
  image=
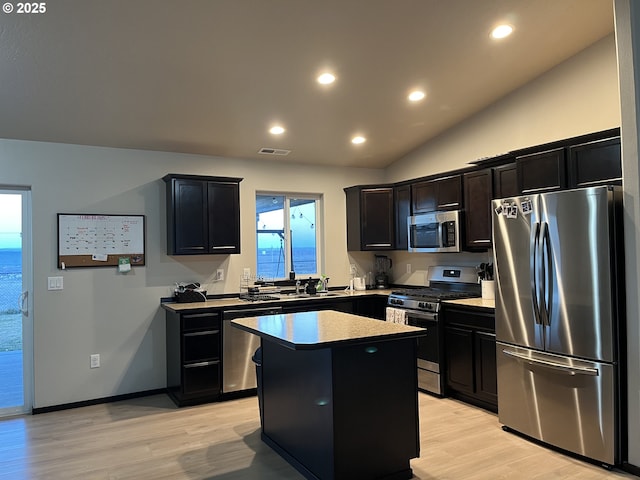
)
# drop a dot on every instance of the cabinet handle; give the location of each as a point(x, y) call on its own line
point(222, 247)
point(201, 364)
point(197, 334)
point(447, 205)
point(377, 245)
point(481, 241)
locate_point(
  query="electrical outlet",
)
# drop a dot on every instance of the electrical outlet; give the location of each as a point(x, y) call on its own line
point(353, 270)
point(408, 268)
point(220, 275)
point(94, 360)
point(246, 273)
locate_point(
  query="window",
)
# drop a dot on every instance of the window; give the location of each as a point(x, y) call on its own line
point(287, 235)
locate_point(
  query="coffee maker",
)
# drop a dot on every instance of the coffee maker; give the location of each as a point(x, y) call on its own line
point(383, 265)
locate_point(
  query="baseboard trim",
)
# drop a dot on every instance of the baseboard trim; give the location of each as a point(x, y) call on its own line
point(96, 401)
point(629, 468)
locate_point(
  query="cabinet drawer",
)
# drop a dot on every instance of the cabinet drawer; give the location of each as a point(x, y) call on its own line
point(201, 377)
point(471, 319)
point(202, 345)
point(201, 321)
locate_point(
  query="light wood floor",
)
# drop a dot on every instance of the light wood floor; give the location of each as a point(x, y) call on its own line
point(148, 438)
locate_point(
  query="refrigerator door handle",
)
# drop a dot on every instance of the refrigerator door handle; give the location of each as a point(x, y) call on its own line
point(558, 367)
point(547, 289)
point(534, 248)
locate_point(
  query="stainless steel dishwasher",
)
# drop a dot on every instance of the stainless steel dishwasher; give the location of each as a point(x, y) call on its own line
point(238, 370)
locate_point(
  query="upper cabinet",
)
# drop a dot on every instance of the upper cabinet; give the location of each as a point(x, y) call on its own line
point(440, 194)
point(402, 204)
point(478, 192)
point(542, 171)
point(595, 163)
point(203, 215)
point(370, 218)
point(505, 181)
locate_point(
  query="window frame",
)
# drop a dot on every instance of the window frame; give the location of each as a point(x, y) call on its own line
point(318, 229)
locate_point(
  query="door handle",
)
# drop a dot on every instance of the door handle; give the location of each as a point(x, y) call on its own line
point(546, 242)
point(558, 367)
point(533, 270)
point(24, 304)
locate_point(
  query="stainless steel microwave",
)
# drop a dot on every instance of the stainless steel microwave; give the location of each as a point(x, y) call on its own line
point(435, 232)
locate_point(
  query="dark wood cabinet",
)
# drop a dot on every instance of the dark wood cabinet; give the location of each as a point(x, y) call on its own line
point(470, 356)
point(203, 215)
point(595, 163)
point(505, 181)
point(542, 171)
point(370, 218)
point(439, 194)
point(402, 204)
point(193, 341)
point(478, 192)
point(313, 305)
point(372, 306)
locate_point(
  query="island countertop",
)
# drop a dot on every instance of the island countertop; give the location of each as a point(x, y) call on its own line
point(322, 329)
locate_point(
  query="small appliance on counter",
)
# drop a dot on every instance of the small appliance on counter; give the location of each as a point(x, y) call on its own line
point(383, 265)
point(188, 293)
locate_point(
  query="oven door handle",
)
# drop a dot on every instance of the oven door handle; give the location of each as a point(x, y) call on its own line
point(428, 316)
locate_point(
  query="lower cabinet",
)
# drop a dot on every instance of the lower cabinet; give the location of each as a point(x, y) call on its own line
point(372, 306)
point(470, 356)
point(320, 304)
point(193, 357)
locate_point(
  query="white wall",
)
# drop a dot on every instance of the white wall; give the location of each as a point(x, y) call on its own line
point(627, 16)
point(578, 96)
point(118, 315)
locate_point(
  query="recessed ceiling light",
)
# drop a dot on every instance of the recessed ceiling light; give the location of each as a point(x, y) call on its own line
point(326, 78)
point(502, 31)
point(416, 96)
point(276, 130)
point(358, 140)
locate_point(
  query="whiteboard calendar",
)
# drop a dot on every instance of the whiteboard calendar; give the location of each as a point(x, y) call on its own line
point(100, 240)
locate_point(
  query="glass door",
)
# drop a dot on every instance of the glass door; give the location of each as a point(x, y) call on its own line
point(16, 322)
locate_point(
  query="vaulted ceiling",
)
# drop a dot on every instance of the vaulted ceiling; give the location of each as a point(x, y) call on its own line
point(212, 76)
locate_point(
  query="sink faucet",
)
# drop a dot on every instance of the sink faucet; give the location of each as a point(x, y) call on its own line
point(298, 285)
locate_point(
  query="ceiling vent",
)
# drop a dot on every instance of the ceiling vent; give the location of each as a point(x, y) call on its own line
point(274, 151)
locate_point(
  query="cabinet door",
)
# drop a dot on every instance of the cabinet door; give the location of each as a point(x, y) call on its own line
point(449, 193)
point(486, 384)
point(188, 201)
point(424, 197)
point(505, 181)
point(201, 378)
point(595, 163)
point(478, 191)
point(459, 358)
point(542, 172)
point(402, 203)
point(223, 217)
point(376, 222)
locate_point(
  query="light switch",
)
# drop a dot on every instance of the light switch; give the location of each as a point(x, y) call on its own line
point(55, 283)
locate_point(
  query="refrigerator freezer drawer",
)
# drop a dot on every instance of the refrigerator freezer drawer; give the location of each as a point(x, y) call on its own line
point(561, 401)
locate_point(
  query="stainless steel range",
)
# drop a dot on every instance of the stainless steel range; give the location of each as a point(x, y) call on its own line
point(421, 307)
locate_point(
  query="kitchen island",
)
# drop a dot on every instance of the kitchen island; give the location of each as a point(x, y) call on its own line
point(339, 393)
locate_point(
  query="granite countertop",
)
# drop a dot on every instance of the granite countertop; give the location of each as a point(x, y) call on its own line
point(322, 329)
point(474, 302)
point(236, 302)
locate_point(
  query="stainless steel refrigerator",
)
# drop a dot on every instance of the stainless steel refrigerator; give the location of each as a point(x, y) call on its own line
point(559, 314)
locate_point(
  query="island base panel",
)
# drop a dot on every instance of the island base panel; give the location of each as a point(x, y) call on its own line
point(343, 412)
